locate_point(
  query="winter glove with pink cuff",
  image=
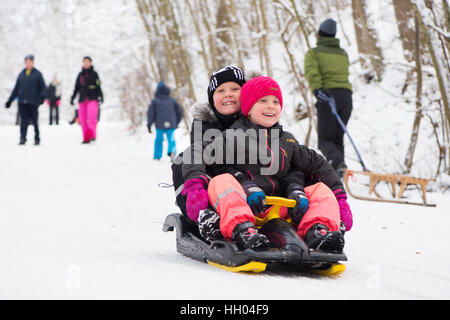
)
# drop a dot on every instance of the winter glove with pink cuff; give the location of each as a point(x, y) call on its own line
point(346, 213)
point(197, 197)
point(295, 191)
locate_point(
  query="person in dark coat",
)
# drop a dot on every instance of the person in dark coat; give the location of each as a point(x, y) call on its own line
point(327, 70)
point(88, 87)
point(54, 99)
point(30, 90)
point(166, 114)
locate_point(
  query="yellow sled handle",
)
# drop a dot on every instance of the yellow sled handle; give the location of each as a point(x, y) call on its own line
point(277, 203)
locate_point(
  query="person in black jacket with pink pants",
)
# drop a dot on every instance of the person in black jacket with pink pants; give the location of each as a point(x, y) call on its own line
point(88, 87)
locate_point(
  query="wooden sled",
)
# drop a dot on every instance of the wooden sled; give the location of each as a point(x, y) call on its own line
point(393, 180)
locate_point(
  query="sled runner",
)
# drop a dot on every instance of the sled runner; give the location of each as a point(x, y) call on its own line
point(286, 246)
point(375, 178)
point(393, 180)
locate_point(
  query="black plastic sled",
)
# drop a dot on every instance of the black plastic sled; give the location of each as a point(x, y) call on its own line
point(286, 247)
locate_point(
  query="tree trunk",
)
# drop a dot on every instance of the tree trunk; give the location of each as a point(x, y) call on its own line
point(224, 42)
point(199, 36)
point(419, 113)
point(369, 51)
point(265, 31)
point(436, 64)
point(405, 15)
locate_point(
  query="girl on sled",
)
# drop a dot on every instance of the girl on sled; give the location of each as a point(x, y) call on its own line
point(237, 191)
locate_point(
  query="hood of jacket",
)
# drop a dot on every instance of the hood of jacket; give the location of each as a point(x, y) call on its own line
point(162, 90)
point(203, 112)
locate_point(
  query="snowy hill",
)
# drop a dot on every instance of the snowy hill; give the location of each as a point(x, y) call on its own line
point(85, 222)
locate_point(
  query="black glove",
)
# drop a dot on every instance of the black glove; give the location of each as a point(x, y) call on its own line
point(149, 129)
point(8, 104)
point(256, 198)
point(318, 93)
point(71, 101)
point(295, 191)
point(41, 101)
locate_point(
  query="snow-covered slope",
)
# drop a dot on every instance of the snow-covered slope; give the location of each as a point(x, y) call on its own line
point(85, 221)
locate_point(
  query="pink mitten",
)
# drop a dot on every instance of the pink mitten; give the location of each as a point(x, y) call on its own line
point(346, 213)
point(197, 197)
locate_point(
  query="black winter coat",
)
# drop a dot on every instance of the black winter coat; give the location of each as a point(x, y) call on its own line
point(88, 85)
point(286, 161)
point(164, 111)
point(29, 89)
point(51, 95)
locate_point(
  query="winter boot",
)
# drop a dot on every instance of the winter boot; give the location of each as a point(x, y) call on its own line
point(209, 225)
point(247, 236)
point(22, 141)
point(319, 237)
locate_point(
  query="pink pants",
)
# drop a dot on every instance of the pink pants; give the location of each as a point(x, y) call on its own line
point(228, 198)
point(87, 116)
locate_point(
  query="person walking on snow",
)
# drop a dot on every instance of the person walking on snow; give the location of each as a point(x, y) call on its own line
point(327, 70)
point(31, 90)
point(54, 99)
point(88, 86)
point(166, 114)
point(238, 194)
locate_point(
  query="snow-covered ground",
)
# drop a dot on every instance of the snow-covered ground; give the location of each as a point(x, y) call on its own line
point(85, 222)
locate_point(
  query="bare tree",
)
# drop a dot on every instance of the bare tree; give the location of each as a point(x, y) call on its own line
point(367, 40)
point(419, 112)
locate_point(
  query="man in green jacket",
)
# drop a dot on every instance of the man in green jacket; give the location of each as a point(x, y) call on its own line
point(326, 68)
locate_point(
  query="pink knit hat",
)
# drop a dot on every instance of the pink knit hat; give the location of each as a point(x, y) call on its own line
point(255, 89)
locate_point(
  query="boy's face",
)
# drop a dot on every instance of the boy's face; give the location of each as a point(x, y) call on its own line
point(266, 111)
point(227, 98)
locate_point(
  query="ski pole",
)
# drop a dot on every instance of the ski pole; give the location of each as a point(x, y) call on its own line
point(332, 104)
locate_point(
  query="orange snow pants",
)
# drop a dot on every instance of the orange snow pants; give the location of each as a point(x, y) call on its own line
point(229, 200)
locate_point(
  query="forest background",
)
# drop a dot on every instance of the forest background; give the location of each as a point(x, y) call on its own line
point(399, 55)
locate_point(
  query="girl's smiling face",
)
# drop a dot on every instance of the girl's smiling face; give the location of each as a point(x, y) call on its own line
point(265, 112)
point(227, 98)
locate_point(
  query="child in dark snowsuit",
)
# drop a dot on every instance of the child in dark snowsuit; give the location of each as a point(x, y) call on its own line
point(238, 194)
point(166, 113)
point(54, 99)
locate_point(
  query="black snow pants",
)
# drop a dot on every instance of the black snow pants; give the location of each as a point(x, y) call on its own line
point(331, 135)
point(28, 115)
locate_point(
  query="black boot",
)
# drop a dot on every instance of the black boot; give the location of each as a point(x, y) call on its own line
point(209, 225)
point(22, 141)
point(319, 237)
point(247, 236)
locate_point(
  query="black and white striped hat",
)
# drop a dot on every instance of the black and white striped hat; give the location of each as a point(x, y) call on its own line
point(222, 75)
